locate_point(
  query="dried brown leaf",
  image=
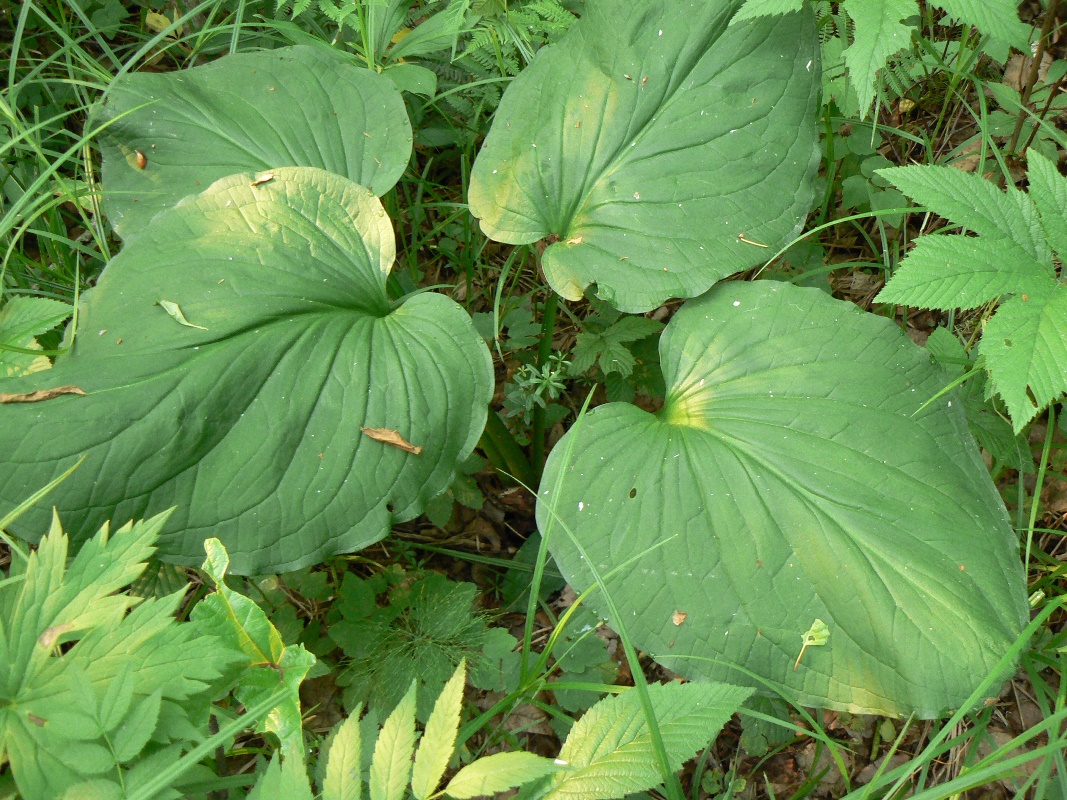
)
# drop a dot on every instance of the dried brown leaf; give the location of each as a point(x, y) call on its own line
point(388, 436)
point(39, 395)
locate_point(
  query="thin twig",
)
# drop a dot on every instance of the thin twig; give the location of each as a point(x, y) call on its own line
point(1035, 68)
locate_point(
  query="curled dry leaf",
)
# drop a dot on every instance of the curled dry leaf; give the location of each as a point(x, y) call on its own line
point(262, 178)
point(175, 311)
point(52, 633)
point(388, 436)
point(39, 395)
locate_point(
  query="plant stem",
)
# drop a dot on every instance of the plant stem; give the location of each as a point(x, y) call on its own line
point(1052, 92)
point(502, 449)
point(1035, 68)
point(831, 168)
point(544, 351)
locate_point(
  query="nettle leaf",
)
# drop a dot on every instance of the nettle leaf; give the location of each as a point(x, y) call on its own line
point(1048, 190)
point(657, 147)
point(1025, 349)
point(950, 271)
point(997, 18)
point(609, 751)
point(789, 477)
point(761, 8)
point(252, 427)
point(878, 34)
point(974, 203)
point(1025, 343)
point(21, 320)
point(173, 134)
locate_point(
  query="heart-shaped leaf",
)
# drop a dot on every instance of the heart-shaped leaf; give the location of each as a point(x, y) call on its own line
point(661, 148)
point(173, 134)
point(250, 421)
point(792, 477)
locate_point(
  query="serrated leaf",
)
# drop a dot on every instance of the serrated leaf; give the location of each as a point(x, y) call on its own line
point(765, 8)
point(947, 350)
point(607, 347)
point(96, 789)
point(435, 33)
point(879, 34)
point(657, 147)
point(951, 271)
point(136, 729)
point(498, 668)
point(614, 357)
point(86, 758)
point(759, 735)
point(609, 751)
point(21, 320)
point(412, 78)
point(995, 435)
point(343, 764)
point(630, 329)
point(439, 739)
point(996, 18)
point(1025, 348)
point(112, 648)
point(774, 391)
point(247, 112)
point(284, 720)
point(238, 425)
point(1048, 190)
point(972, 202)
point(391, 765)
point(234, 618)
point(283, 778)
point(117, 699)
point(498, 773)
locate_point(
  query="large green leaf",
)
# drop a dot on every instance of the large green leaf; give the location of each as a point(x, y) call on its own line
point(297, 106)
point(250, 422)
point(789, 478)
point(657, 146)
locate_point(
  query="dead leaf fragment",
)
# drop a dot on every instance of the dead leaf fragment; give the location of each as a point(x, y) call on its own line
point(50, 635)
point(40, 394)
point(742, 238)
point(575, 240)
point(679, 617)
point(1017, 70)
point(388, 436)
point(175, 311)
point(263, 177)
point(156, 22)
